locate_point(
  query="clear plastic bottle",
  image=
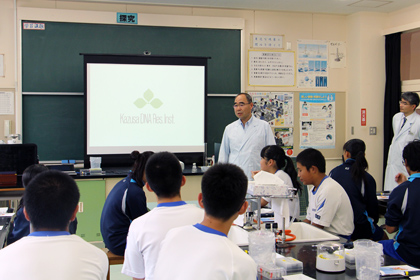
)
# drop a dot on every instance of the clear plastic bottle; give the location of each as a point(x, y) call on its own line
point(194, 167)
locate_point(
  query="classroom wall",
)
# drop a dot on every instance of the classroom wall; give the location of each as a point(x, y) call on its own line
point(366, 85)
point(362, 80)
point(7, 83)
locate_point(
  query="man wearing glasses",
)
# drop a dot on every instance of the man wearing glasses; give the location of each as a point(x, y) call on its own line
point(244, 139)
point(406, 127)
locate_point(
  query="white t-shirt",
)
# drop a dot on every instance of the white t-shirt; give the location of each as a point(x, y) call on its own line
point(330, 207)
point(198, 252)
point(64, 257)
point(294, 205)
point(146, 233)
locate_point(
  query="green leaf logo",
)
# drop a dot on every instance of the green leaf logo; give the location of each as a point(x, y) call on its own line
point(148, 99)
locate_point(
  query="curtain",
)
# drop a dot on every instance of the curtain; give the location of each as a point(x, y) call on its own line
point(392, 87)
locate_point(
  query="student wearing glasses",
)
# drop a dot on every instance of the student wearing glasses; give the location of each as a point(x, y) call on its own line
point(244, 138)
point(406, 128)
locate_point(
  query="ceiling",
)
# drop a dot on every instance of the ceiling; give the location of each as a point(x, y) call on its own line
point(344, 7)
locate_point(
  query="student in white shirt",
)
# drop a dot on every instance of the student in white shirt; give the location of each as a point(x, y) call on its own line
point(275, 161)
point(49, 252)
point(203, 251)
point(329, 206)
point(165, 179)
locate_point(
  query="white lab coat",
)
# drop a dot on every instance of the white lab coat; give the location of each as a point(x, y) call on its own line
point(409, 132)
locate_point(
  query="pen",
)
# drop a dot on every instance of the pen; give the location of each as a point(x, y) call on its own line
point(392, 277)
point(412, 273)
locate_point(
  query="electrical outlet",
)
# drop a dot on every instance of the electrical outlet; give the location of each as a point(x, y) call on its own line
point(372, 130)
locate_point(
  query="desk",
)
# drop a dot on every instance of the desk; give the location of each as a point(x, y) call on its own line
point(307, 255)
point(93, 191)
point(382, 205)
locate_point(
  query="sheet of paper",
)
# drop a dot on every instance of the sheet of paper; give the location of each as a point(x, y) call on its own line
point(396, 269)
point(7, 215)
point(7, 103)
point(297, 277)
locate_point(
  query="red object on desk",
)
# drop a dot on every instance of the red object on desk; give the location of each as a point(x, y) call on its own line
point(8, 178)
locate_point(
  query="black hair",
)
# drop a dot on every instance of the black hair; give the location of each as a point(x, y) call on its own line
point(139, 164)
point(311, 157)
point(248, 97)
point(283, 162)
point(224, 188)
point(31, 171)
point(411, 97)
point(357, 148)
point(28, 174)
point(411, 154)
point(164, 174)
point(50, 200)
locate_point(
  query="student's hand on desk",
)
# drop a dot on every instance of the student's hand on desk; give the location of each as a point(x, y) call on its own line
point(254, 173)
point(400, 178)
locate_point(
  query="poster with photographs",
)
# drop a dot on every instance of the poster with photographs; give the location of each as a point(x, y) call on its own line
point(284, 138)
point(276, 108)
point(317, 120)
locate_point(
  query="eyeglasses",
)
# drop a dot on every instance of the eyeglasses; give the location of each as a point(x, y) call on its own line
point(240, 104)
point(404, 103)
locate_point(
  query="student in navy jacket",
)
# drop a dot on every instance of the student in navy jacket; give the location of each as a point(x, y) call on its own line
point(20, 227)
point(403, 212)
point(360, 187)
point(124, 203)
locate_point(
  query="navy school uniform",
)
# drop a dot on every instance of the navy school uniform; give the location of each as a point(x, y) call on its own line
point(20, 227)
point(363, 201)
point(403, 212)
point(124, 203)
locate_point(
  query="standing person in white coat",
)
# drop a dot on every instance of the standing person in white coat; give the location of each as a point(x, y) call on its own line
point(244, 138)
point(406, 127)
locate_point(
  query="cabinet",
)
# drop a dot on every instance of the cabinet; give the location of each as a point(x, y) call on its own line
point(92, 199)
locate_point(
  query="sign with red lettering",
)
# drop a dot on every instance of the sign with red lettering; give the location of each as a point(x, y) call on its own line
point(363, 117)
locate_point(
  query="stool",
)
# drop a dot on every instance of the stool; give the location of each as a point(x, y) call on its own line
point(112, 259)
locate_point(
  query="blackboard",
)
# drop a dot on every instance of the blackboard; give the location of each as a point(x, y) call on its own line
point(51, 62)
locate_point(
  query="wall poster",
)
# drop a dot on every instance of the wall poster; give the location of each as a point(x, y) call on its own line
point(277, 109)
point(312, 64)
point(317, 120)
point(271, 68)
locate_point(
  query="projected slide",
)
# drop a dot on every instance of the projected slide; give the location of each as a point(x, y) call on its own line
point(144, 107)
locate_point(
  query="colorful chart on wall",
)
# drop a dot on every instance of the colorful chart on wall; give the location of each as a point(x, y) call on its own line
point(317, 120)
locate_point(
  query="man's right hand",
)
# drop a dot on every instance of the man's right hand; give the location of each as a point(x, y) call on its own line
point(400, 178)
point(254, 173)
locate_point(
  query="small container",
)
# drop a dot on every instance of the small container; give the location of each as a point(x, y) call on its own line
point(291, 265)
point(270, 271)
point(84, 172)
point(204, 168)
point(368, 259)
point(330, 257)
point(95, 162)
point(350, 258)
point(194, 168)
point(262, 245)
